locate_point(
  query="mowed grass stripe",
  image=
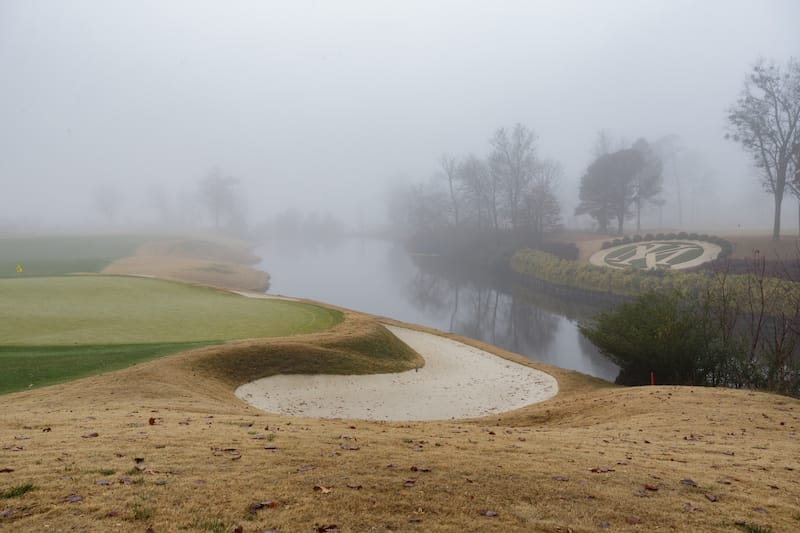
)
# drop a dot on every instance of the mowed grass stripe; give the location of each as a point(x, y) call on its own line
point(96, 310)
point(39, 366)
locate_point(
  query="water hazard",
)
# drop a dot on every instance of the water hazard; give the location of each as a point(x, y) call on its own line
point(379, 277)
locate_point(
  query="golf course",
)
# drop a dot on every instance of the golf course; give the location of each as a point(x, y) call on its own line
point(118, 412)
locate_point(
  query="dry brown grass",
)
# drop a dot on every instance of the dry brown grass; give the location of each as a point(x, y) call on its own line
point(204, 460)
point(214, 263)
point(739, 446)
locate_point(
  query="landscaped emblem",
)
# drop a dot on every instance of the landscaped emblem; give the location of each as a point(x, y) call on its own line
point(652, 255)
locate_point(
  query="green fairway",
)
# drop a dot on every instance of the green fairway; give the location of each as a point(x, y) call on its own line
point(57, 328)
point(52, 256)
point(126, 310)
point(47, 365)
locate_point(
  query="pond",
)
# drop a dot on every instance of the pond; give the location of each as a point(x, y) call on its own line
point(381, 278)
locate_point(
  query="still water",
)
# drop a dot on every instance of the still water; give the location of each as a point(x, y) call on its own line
point(380, 278)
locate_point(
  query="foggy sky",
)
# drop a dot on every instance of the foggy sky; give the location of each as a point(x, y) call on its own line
point(323, 105)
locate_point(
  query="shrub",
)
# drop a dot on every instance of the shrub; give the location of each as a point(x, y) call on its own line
point(657, 332)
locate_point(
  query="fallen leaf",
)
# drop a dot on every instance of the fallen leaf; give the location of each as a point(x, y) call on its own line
point(420, 469)
point(601, 470)
point(138, 460)
point(354, 487)
point(651, 488)
point(152, 421)
point(760, 510)
point(487, 512)
point(711, 497)
point(688, 482)
point(272, 447)
point(6, 470)
point(409, 483)
point(328, 529)
point(255, 506)
point(73, 498)
point(323, 490)
point(415, 519)
point(90, 435)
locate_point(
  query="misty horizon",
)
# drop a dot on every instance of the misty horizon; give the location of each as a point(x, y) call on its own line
point(325, 107)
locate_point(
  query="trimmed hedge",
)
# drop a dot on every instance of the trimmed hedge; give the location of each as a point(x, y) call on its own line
point(632, 282)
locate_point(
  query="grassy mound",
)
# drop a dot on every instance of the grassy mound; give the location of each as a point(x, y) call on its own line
point(359, 345)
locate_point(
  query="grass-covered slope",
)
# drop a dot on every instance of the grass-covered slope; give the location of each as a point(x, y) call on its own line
point(61, 328)
point(359, 345)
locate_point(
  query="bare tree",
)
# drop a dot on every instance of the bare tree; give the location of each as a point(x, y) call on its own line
point(512, 162)
point(541, 209)
point(449, 171)
point(217, 193)
point(766, 121)
point(108, 201)
point(647, 181)
point(481, 191)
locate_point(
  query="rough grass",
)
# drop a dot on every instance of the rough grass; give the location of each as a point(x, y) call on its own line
point(357, 346)
point(53, 256)
point(16, 491)
point(122, 310)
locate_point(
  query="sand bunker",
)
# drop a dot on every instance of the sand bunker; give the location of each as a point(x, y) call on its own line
point(457, 381)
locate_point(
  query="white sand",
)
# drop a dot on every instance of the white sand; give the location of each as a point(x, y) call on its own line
point(457, 381)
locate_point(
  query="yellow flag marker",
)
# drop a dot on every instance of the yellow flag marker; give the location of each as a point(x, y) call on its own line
point(19, 269)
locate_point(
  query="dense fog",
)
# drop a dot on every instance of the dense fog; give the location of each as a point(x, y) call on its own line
point(114, 113)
